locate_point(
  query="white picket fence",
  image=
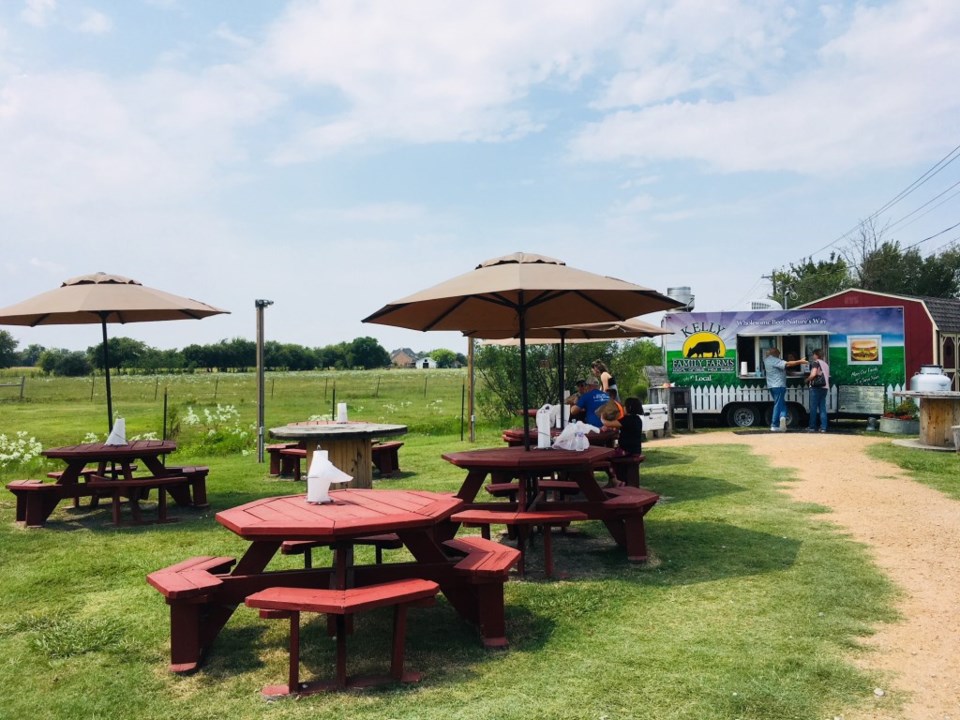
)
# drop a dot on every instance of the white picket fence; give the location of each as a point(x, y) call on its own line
point(712, 400)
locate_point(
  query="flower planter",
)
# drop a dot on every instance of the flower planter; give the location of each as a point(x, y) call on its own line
point(897, 426)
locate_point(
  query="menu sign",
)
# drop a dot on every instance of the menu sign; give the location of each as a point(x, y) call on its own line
point(860, 400)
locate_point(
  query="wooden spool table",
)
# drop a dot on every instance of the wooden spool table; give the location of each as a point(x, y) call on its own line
point(349, 444)
point(939, 412)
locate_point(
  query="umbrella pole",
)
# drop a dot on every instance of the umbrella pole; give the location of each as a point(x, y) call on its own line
point(561, 372)
point(106, 372)
point(523, 379)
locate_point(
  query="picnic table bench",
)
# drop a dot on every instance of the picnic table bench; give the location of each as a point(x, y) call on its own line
point(386, 457)
point(132, 490)
point(277, 466)
point(289, 602)
point(523, 521)
point(386, 541)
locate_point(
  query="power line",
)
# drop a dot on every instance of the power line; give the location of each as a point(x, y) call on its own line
point(931, 237)
point(937, 167)
point(894, 224)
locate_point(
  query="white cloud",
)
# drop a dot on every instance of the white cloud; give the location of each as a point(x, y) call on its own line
point(38, 12)
point(431, 70)
point(877, 98)
point(94, 22)
point(224, 32)
point(73, 138)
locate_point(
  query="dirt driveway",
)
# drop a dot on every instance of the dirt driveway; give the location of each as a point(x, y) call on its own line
point(913, 533)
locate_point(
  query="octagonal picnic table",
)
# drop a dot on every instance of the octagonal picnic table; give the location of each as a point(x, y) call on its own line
point(620, 509)
point(203, 592)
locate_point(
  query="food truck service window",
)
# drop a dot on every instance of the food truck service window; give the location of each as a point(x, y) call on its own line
point(752, 349)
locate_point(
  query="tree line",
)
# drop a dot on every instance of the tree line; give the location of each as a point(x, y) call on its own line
point(870, 261)
point(236, 355)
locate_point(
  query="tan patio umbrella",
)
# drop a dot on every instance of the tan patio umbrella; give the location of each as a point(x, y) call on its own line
point(102, 298)
point(509, 294)
point(580, 333)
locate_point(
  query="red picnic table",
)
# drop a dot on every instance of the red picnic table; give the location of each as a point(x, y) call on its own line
point(36, 500)
point(203, 592)
point(620, 509)
point(605, 437)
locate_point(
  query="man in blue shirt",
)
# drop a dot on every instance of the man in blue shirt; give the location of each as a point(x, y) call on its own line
point(776, 371)
point(588, 403)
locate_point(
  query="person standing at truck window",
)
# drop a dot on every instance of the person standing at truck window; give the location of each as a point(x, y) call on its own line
point(775, 368)
point(600, 372)
point(818, 391)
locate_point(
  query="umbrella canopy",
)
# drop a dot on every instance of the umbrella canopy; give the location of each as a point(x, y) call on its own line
point(521, 291)
point(101, 298)
point(512, 293)
point(581, 333)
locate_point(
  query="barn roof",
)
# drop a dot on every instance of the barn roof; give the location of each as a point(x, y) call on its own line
point(945, 313)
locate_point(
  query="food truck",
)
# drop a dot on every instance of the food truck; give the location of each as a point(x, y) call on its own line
point(719, 357)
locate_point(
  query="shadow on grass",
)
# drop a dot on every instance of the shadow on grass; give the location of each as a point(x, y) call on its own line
point(681, 553)
point(439, 643)
point(657, 456)
point(680, 487)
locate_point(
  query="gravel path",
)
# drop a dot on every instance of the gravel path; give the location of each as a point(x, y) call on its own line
point(913, 533)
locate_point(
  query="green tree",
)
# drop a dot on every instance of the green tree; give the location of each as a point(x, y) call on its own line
point(444, 358)
point(882, 265)
point(30, 355)
point(809, 280)
point(65, 362)
point(631, 358)
point(367, 353)
point(8, 349)
point(123, 353)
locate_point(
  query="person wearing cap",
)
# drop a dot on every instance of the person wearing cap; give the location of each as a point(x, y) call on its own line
point(589, 402)
point(581, 387)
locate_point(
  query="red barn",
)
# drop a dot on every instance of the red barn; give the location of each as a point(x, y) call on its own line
point(931, 326)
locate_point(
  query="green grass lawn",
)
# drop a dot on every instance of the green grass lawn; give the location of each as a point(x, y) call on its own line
point(748, 607)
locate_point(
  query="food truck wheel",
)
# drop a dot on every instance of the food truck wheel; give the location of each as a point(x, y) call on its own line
point(743, 415)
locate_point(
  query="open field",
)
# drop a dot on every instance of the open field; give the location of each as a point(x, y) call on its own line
point(749, 607)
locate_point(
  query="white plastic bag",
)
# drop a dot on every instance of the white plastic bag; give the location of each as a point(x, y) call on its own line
point(574, 436)
point(544, 423)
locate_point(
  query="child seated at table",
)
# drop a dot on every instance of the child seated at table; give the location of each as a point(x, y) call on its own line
point(630, 425)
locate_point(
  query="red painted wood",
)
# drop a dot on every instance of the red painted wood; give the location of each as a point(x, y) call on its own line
point(191, 577)
point(484, 558)
point(341, 602)
point(354, 512)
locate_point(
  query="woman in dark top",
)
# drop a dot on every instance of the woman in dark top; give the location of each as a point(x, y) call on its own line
point(631, 427)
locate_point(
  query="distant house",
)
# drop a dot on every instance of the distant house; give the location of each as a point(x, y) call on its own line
point(403, 358)
point(425, 363)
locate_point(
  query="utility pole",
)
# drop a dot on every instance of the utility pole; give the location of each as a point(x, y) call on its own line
point(260, 305)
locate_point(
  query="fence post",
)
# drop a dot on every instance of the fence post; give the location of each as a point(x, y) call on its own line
point(376, 393)
point(333, 406)
point(23, 380)
point(216, 388)
point(426, 377)
point(156, 389)
point(93, 382)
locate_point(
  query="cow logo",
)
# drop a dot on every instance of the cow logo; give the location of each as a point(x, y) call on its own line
point(704, 345)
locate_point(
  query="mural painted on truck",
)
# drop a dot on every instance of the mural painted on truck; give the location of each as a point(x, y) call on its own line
point(864, 346)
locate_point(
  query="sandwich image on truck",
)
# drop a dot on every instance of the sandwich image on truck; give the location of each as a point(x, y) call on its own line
point(719, 356)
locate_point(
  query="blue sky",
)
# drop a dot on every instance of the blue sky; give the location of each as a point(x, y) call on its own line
point(334, 156)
